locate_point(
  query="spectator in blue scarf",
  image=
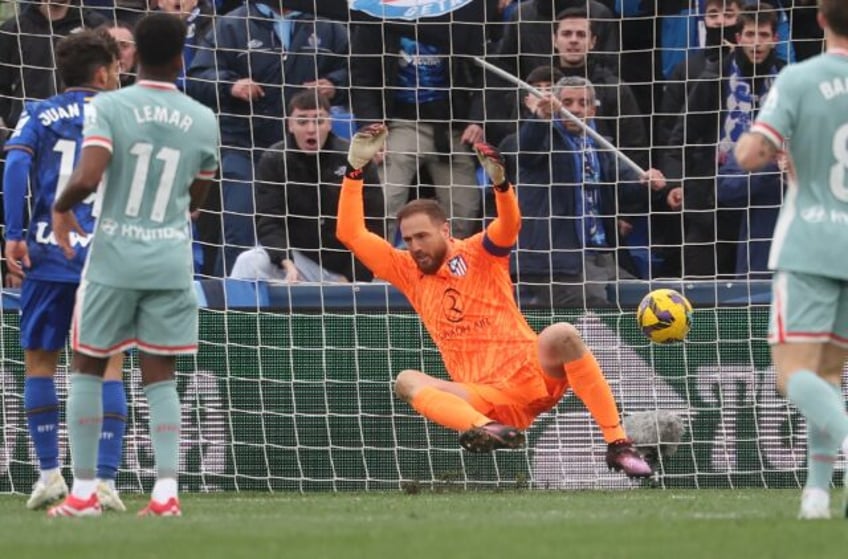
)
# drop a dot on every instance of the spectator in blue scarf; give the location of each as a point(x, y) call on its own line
point(575, 198)
point(720, 107)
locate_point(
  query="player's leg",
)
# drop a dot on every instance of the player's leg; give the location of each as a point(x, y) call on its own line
point(42, 411)
point(444, 402)
point(167, 327)
point(821, 456)
point(45, 318)
point(112, 437)
point(835, 356)
point(160, 389)
point(562, 353)
point(454, 406)
point(821, 448)
point(803, 313)
point(102, 326)
point(797, 378)
point(84, 413)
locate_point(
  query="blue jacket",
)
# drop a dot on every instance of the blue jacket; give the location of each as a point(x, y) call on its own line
point(549, 171)
point(198, 23)
point(760, 194)
point(244, 44)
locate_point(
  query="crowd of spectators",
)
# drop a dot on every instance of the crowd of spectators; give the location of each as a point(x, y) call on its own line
point(673, 83)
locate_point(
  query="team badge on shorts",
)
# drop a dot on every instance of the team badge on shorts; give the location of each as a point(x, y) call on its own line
point(457, 266)
point(407, 9)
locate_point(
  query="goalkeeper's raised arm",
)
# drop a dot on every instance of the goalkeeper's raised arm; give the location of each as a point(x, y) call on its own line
point(503, 231)
point(372, 250)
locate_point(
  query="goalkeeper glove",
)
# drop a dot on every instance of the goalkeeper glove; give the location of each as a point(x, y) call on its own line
point(493, 162)
point(365, 144)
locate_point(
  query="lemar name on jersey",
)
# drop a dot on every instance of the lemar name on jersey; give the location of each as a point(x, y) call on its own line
point(164, 115)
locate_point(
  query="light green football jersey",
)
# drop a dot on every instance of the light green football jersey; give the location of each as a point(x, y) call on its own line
point(161, 141)
point(807, 108)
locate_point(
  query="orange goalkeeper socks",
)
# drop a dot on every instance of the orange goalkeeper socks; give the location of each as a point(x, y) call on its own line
point(588, 382)
point(446, 409)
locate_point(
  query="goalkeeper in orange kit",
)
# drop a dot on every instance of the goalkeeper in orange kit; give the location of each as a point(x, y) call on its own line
point(503, 374)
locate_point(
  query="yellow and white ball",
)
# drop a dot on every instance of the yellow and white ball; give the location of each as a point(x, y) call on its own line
point(665, 316)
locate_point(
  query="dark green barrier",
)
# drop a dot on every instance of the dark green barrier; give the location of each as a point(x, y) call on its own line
point(304, 402)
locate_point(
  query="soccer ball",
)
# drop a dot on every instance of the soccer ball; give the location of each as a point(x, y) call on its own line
point(664, 316)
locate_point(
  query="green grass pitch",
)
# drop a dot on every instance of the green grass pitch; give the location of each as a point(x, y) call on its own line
point(648, 523)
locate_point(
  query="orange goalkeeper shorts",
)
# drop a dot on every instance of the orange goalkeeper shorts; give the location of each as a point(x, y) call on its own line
point(520, 397)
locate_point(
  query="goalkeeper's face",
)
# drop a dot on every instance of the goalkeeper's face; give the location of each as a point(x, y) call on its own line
point(426, 240)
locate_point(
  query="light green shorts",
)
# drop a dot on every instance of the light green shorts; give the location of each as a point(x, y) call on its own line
point(108, 320)
point(808, 308)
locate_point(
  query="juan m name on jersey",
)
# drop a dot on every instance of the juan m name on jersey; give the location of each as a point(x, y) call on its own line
point(51, 114)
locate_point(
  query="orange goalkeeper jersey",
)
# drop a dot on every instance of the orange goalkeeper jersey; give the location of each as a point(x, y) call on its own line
point(468, 305)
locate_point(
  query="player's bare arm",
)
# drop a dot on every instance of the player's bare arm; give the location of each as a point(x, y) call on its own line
point(198, 191)
point(17, 257)
point(754, 151)
point(84, 180)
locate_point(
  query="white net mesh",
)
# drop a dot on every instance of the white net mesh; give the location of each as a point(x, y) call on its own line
point(292, 388)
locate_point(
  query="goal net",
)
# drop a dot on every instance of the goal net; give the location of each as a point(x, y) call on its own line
point(292, 386)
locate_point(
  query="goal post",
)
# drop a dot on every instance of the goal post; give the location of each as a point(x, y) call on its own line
point(292, 388)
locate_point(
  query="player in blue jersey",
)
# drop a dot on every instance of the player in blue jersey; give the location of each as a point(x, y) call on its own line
point(806, 114)
point(150, 153)
point(41, 153)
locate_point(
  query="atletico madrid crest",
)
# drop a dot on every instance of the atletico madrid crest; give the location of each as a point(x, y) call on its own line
point(457, 266)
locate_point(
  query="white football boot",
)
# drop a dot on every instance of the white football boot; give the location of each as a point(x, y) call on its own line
point(815, 504)
point(49, 491)
point(109, 497)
